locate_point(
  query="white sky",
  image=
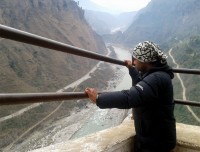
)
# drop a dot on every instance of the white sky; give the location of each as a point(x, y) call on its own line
point(123, 5)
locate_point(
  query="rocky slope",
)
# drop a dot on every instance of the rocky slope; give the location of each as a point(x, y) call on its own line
point(164, 22)
point(28, 68)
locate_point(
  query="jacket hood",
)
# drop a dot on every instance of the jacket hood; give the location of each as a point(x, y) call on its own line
point(165, 68)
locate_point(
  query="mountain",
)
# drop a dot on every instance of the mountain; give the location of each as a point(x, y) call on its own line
point(89, 5)
point(106, 23)
point(27, 68)
point(100, 21)
point(164, 21)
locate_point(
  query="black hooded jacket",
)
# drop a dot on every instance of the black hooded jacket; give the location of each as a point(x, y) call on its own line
point(152, 99)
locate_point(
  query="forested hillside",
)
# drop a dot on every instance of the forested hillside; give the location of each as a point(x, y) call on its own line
point(164, 21)
point(186, 53)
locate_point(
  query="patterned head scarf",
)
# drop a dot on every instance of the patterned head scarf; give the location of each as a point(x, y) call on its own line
point(149, 52)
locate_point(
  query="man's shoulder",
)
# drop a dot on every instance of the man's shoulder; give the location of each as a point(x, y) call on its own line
point(157, 76)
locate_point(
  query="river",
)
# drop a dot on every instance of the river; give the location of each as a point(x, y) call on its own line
point(105, 118)
point(87, 121)
point(126, 81)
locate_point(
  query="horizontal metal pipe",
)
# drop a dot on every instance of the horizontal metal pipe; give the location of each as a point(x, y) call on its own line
point(187, 102)
point(25, 37)
point(186, 71)
point(24, 98)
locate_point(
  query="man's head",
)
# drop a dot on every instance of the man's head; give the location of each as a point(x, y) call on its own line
point(147, 54)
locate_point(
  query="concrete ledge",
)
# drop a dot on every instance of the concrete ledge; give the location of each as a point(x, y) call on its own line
point(188, 138)
point(120, 139)
point(110, 140)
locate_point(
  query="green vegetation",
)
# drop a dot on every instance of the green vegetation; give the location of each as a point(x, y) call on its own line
point(187, 54)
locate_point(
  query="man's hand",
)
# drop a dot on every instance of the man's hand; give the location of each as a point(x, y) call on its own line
point(92, 94)
point(128, 63)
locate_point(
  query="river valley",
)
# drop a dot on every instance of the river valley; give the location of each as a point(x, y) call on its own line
point(86, 121)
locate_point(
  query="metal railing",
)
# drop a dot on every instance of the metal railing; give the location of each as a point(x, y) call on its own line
point(28, 38)
point(23, 98)
point(25, 37)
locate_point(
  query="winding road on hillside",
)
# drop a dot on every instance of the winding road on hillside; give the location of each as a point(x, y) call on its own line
point(20, 112)
point(183, 87)
point(72, 85)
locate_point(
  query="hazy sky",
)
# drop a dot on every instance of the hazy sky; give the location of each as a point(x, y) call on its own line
point(122, 5)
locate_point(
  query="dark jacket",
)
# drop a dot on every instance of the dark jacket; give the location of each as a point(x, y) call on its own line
point(152, 100)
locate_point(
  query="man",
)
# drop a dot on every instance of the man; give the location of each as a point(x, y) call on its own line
point(151, 97)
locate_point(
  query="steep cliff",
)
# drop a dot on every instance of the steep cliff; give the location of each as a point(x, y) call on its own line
point(164, 21)
point(27, 68)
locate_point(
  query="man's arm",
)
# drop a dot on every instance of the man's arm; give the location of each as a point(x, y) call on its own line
point(125, 99)
point(120, 99)
point(135, 76)
point(143, 93)
point(133, 72)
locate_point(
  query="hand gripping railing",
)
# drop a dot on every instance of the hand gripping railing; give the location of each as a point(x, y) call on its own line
point(25, 37)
